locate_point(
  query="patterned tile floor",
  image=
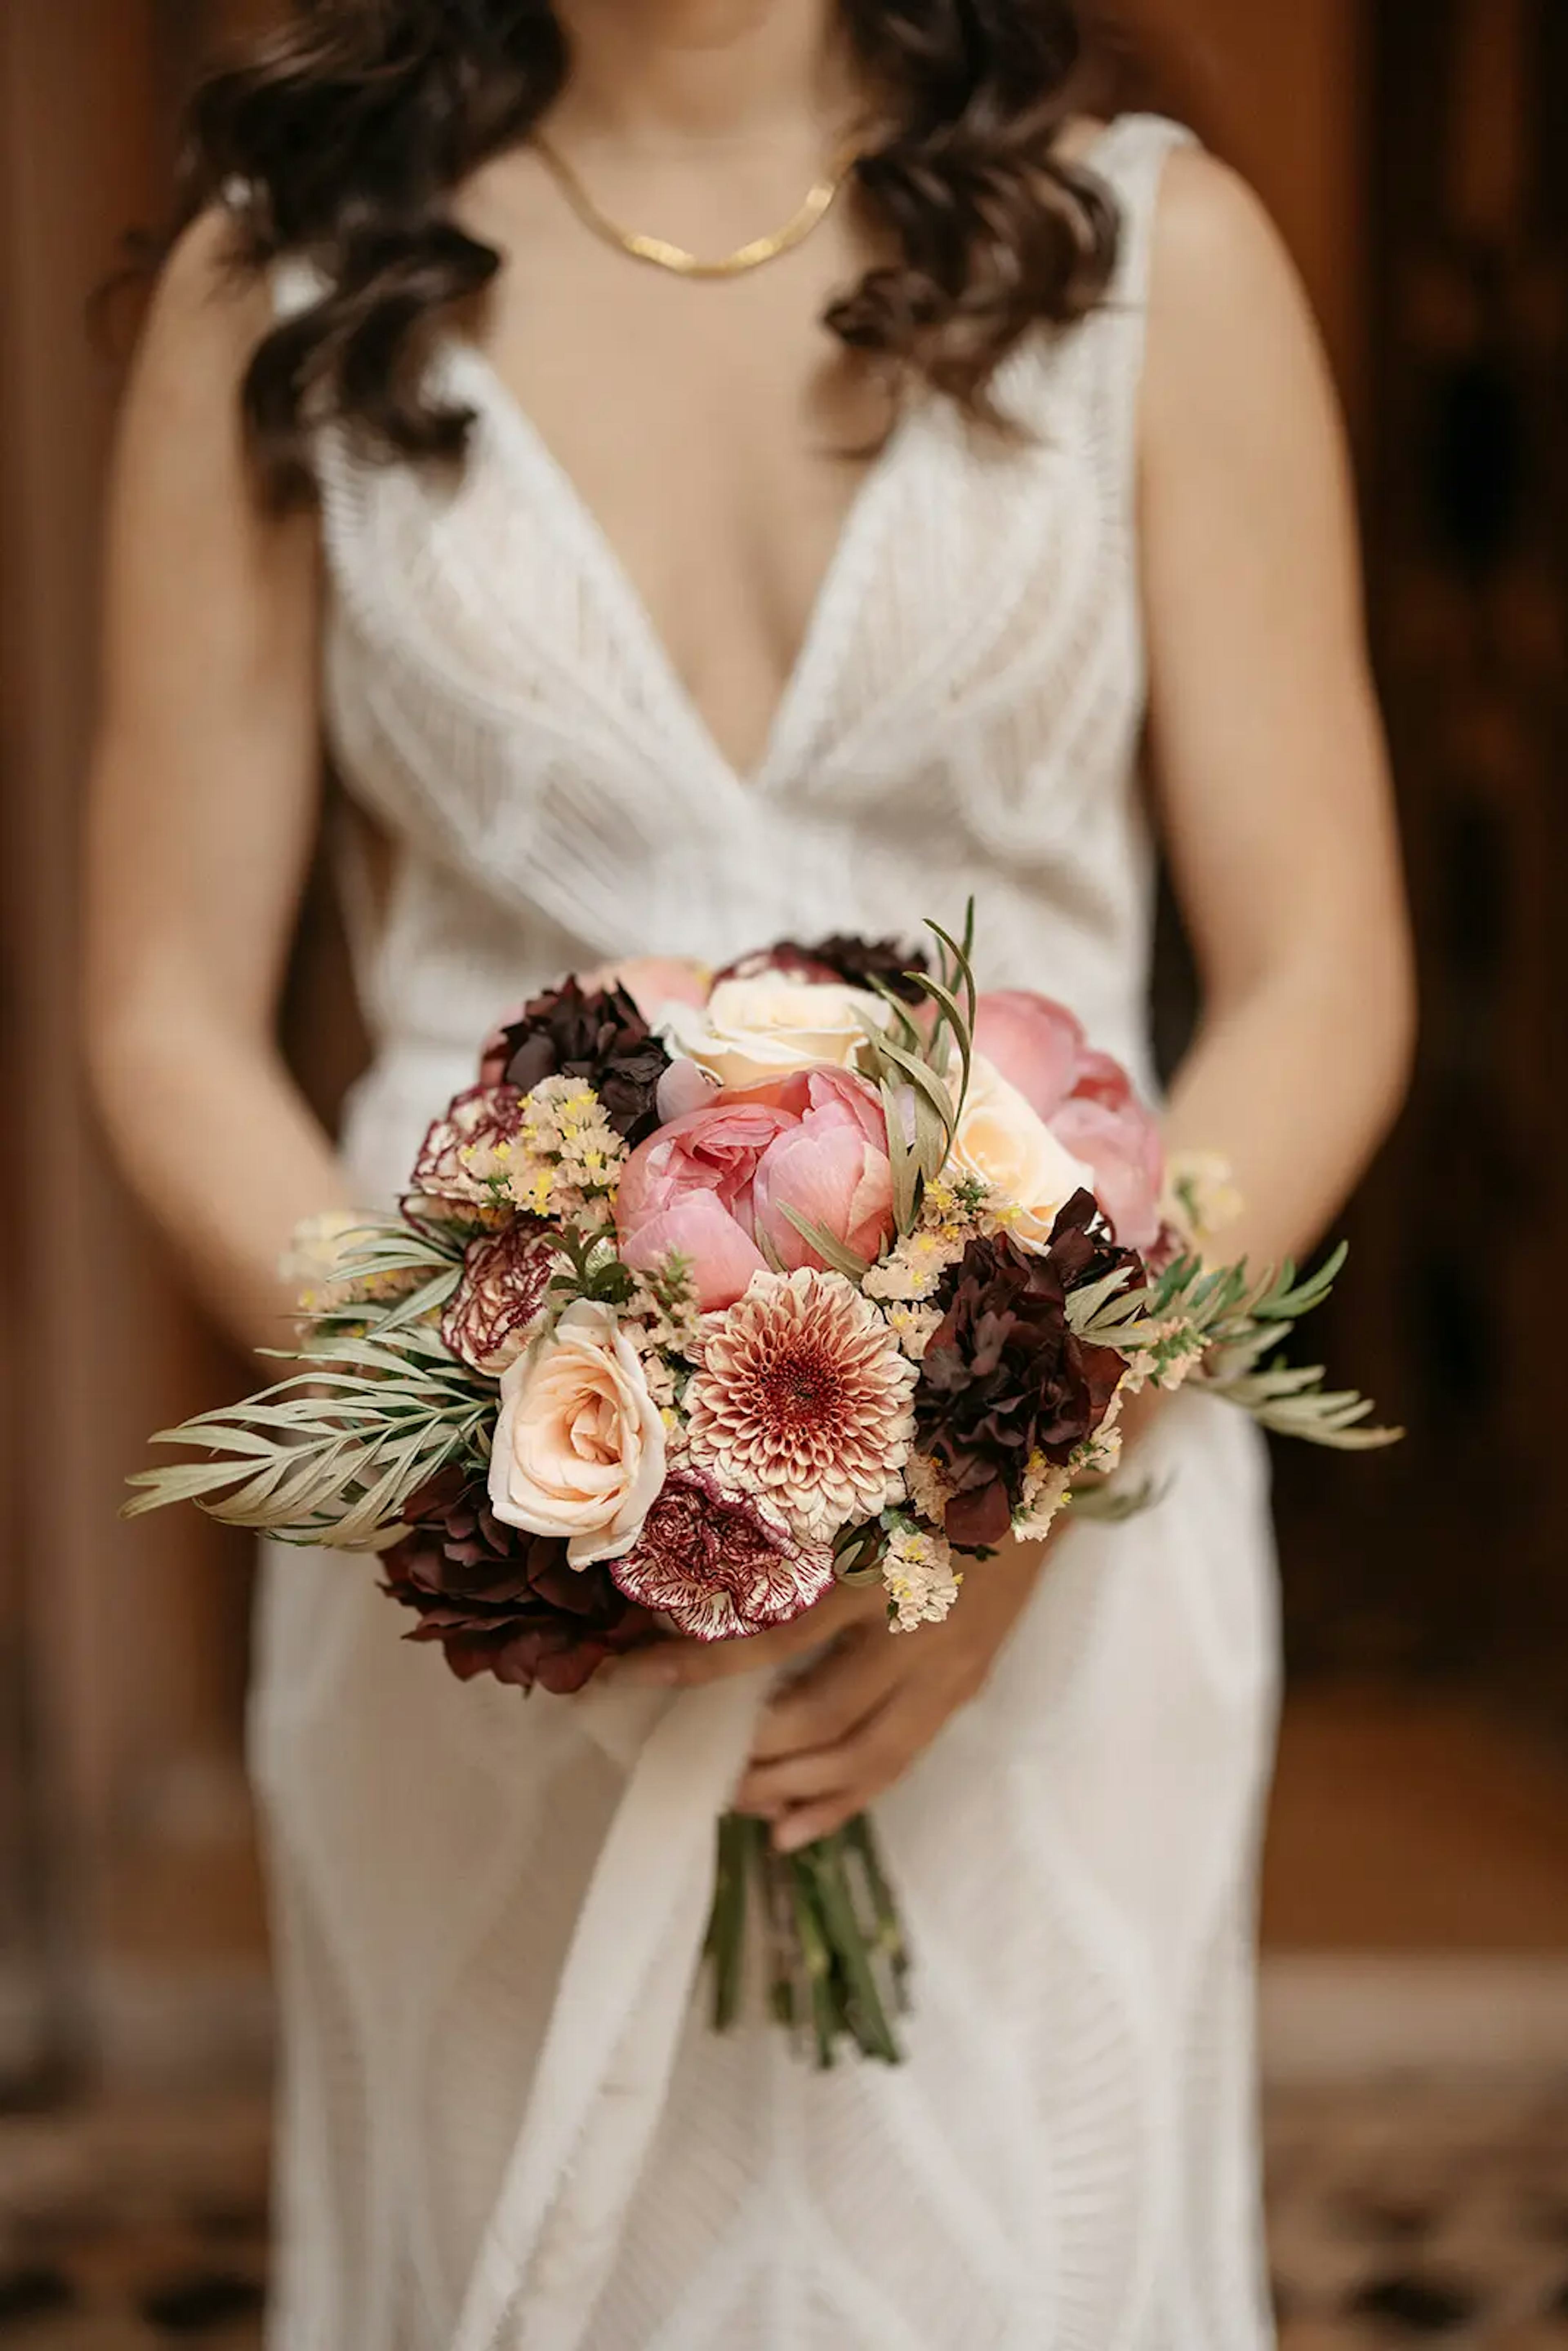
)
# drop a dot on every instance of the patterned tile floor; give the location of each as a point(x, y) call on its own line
point(1421, 2212)
point(1400, 2215)
point(130, 2229)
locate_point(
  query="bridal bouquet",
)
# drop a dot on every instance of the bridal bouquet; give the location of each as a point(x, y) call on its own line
point(829, 1269)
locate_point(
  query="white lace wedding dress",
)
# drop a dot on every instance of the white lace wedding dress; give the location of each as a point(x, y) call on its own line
point(505, 2125)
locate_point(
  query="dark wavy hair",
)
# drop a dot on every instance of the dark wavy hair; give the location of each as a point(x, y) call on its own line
point(352, 127)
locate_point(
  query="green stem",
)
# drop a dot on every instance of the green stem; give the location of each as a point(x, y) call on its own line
point(725, 1945)
point(865, 2016)
point(816, 1944)
point(838, 1963)
point(861, 1838)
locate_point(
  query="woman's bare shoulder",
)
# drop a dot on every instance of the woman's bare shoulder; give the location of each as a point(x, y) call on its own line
point(183, 471)
point(1217, 251)
point(1232, 335)
point(206, 304)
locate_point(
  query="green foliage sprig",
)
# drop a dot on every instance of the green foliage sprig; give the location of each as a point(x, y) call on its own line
point(1237, 1319)
point(912, 1070)
point(590, 1270)
point(332, 1452)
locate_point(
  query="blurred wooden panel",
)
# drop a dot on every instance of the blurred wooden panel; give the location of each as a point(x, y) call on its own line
point(1453, 1563)
point(126, 1639)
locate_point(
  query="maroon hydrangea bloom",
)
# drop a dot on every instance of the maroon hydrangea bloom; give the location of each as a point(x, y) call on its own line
point(719, 1565)
point(597, 1036)
point(505, 1276)
point(856, 962)
point(505, 1602)
point(1004, 1378)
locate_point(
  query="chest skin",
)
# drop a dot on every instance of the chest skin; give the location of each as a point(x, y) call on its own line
point(714, 432)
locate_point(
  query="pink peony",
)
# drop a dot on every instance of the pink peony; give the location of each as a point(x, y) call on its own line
point(1087, 1101)
point(714, 1184)
point(1122, 1144)
point(1037, 1045)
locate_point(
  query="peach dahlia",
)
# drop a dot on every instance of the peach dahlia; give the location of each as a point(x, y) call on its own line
point(803, 1397)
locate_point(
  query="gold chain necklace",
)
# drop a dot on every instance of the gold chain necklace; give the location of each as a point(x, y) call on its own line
point(661, 254)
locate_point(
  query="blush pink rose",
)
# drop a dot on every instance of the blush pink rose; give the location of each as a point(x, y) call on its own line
point(1087, 1101)
point(1037, 1046)
point(1123, 1149)
point(714, 1184)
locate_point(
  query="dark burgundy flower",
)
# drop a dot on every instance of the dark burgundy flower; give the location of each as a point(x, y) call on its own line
point(1004, 1378)
point(505, 1277)
point(502, 1602)
point(720, 1565)
point(857, 963)
point(596, 1035)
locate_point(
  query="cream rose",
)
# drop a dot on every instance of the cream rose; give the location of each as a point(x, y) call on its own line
point(1002, 1143)
point(752, 1030)
point(579, 1445)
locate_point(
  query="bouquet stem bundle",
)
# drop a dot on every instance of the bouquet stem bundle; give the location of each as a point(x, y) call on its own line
point(832, 1943)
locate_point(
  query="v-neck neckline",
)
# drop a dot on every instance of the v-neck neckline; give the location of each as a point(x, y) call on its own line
point(475, 373)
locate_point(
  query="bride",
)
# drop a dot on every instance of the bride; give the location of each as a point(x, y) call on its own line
point(719, 469)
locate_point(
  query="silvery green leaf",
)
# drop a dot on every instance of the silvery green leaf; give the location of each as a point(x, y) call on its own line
point(930, 1111)
point(929, 1087)
point(775, 1263)
point(859, 1578)
point(183, 1481)
point(1284, 1301)
point(958, 974)
point(428, 1298)
point(332, 1452)
point(901, 1160)
point(1316, 1422)
point(1084, 1305)
point(832, 1251)
point(904, 1029)
point(1253, 1387)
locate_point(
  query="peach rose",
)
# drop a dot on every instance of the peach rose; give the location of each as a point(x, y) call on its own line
point(579, 1445)
point(1002, 1143)
point(753, 1030)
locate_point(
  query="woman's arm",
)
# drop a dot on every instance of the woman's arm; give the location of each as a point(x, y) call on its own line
point(1275, 801)
point(1267, 745)
point(204, 809)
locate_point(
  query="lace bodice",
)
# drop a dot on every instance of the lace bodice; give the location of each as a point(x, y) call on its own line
point(964, 716)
